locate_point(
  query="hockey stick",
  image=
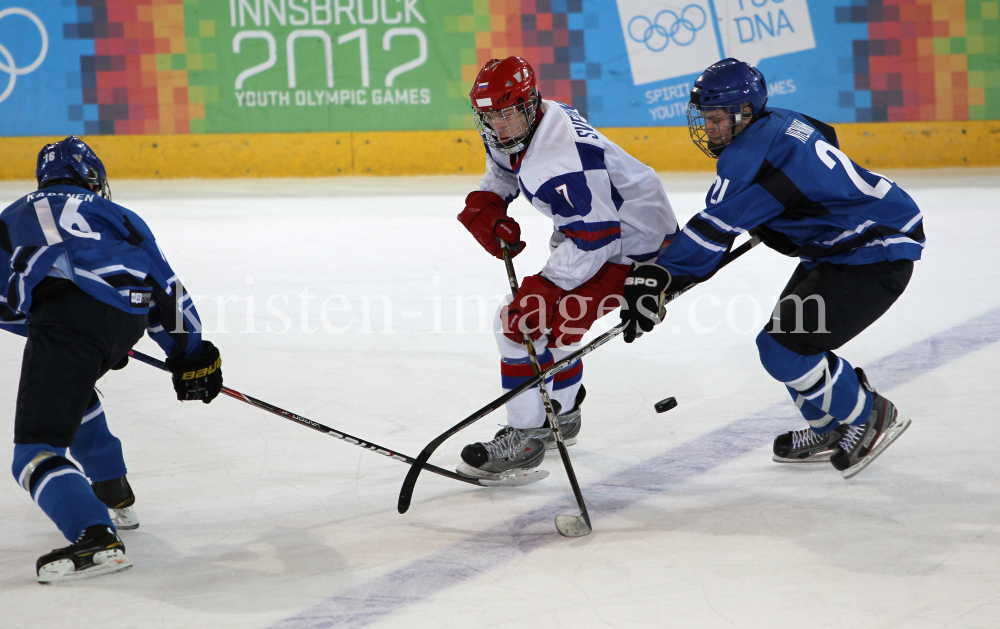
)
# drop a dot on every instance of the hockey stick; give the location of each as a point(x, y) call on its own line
point(406, 491)
point(343, 436)
point(567, 525)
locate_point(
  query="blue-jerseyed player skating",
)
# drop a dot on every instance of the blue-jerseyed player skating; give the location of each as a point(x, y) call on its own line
point(783, 178)
point(85, 279)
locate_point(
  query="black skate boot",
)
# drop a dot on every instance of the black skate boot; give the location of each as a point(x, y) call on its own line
point(805, 446)
point(117, 495)
point(861, 444)
point(570, 423)
point(512, 451)
point(95, 552)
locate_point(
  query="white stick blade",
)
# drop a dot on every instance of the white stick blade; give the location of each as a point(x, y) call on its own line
point(572, 526)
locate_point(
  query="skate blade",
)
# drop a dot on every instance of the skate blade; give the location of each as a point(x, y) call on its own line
point(62, 570)
point(125, 519)
point(819, 457)
point(509, 478)
point(572, 526)
point(552, 445)
point(515, 478)
point(891, 435)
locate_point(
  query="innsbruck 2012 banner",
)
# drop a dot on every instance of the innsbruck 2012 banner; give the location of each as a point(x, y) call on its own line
point(243, 66)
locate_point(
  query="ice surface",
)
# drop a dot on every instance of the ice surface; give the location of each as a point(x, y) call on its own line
point(249, 520)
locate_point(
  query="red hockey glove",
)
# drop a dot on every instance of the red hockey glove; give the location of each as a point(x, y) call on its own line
point(532, 310)
point(485, 216)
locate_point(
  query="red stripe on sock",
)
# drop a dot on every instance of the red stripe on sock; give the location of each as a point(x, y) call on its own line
point(521, 371)
point(566, 374)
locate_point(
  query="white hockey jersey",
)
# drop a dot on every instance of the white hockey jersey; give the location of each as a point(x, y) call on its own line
point(605, 205)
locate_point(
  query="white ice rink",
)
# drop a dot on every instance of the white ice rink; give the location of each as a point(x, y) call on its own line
point(252, 521)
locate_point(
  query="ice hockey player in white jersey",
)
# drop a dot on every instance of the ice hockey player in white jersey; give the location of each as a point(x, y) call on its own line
point(608, 210)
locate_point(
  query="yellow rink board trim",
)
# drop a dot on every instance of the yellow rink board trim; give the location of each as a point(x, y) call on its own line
point(876, 145)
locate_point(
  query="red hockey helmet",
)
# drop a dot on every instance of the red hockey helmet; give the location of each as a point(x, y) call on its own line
point(505, 102)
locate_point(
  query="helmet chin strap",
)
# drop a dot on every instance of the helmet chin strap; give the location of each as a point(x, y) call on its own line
point(738, 124)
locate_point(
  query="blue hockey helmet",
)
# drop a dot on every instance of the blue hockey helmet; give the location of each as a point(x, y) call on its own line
point(735, 87)
point(72, 160)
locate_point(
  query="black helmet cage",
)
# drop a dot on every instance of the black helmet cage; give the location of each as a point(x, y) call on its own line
point(518, 123)
point(98, 183)
point(696, 124)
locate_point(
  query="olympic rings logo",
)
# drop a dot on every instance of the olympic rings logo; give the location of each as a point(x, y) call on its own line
point(650, 35)
point(7, 63)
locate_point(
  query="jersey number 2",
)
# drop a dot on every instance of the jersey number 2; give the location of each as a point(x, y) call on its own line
point(827, 152)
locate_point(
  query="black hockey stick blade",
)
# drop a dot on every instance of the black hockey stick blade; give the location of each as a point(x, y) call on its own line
point(410, 482)
point(526, 479)
point(406, 491)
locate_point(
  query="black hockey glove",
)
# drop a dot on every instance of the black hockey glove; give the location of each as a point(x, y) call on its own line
point(645, 299)
point(199, 377)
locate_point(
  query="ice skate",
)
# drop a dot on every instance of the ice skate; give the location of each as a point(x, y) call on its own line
point(117, 495)
point(510, 453)
point(805, 446)
point(569, 424)
point(97, 551)
point(861, 444)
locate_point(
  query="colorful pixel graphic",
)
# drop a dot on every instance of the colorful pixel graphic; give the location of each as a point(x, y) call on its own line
point(220, 66)
point(136, 82)
point(549, 34)
point(924, 60)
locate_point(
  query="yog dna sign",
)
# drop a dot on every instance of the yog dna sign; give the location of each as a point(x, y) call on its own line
point(666, 39)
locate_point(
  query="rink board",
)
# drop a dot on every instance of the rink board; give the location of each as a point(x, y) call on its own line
point(876, 145)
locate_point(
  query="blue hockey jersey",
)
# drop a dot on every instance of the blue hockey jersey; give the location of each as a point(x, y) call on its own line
point(786, 175)
point(108, 251)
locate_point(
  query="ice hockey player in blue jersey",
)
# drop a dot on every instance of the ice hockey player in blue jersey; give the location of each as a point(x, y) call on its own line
point(783, 178)
point(85, 279)
point(608, 210)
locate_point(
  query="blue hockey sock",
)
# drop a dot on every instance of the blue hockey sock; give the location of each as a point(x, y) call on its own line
point(59, 488)
point(820, 422)
point(824, 386)
point(97, 450)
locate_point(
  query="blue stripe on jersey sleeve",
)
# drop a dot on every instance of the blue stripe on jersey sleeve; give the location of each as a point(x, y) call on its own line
point(568, 195)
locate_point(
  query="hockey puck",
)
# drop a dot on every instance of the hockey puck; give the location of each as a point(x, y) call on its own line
point(665, 405)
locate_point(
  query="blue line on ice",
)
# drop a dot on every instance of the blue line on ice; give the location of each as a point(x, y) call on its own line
point(423, 578)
